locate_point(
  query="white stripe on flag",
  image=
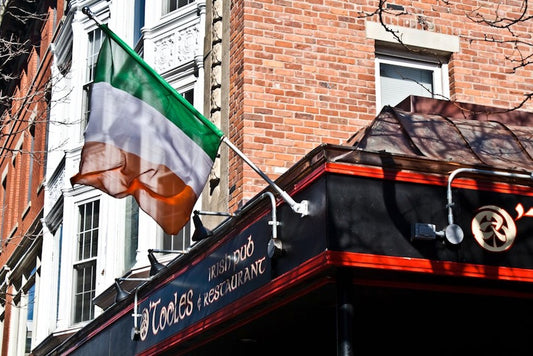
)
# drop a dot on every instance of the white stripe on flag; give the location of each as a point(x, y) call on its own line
point(122, 120)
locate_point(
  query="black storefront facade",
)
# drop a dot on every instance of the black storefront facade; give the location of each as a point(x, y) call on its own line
point(419, 240)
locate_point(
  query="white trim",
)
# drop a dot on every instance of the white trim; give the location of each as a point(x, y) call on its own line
point(413, 37)
point(84, 261)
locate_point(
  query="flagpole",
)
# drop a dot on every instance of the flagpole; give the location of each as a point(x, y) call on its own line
point(300, 208)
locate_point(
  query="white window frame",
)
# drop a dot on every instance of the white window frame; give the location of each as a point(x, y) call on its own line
point(168, 4)
point(93, 259)
point(93, 49)
point(94, 44)
point(441, 88)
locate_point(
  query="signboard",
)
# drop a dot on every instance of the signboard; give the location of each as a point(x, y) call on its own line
point(350, 214)
point(235, 269)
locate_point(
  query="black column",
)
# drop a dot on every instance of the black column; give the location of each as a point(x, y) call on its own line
point(345, 314)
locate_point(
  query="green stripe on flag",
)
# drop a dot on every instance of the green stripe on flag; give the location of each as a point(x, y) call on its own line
point(124, 69)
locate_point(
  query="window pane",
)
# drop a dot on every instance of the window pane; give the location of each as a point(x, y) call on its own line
point(131, 232)
point(94, 243)
point(29, 318)
point(398, 82)
point(84, 293)
point(189, 96)
point(87, 246)
point(138, 20)
point(182, 3)
point(78, 310)
point(181, 241)
point(95, 41)
point(4, 208)
point(79, 280)
point(172, 5)
point(32, 152)
point(88, 230)
point(96, 214)
point(87, 310)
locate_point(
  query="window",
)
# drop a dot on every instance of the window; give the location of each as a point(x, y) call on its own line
point(30, 297)
point(138, 20)
point(12, 198)
point(131, 233)
point(94, 44)
point(420, 71)
point(181, 241)
point(171, 5)
point(95, 41)
point(85, 267)
point(32, 152)
point(397, 78)
point(189, 96)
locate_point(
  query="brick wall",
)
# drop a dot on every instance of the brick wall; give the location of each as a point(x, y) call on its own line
point(22, 213)
point(302, 73)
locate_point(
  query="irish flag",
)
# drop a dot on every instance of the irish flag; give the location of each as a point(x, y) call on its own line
point(144, 139)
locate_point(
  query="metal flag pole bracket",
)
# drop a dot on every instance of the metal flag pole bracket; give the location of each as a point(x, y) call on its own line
point(300, 208)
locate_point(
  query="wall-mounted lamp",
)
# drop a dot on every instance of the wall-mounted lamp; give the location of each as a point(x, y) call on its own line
point(155, 266)
point(275, 246)
point(200, 231)
point(122, 295)
point(453, 232)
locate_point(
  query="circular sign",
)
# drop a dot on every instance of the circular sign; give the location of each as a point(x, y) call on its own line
point(493, 228)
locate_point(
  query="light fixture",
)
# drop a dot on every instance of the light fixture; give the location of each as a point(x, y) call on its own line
point(422, 231)
point(121, 293)
point(200, 231)
point(155, 266)
point(274, 246)
point(453, 232)
point(135, 331)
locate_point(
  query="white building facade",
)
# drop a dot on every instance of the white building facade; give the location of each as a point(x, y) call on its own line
point(91, 238)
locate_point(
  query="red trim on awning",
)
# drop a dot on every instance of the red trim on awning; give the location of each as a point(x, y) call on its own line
point(423, 178)
point(442, 268)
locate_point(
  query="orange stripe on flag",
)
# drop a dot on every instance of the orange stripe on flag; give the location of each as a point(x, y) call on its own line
point(158, 191)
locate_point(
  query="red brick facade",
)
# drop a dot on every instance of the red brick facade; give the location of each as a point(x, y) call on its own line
point(23, 154)
point(303, 72)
